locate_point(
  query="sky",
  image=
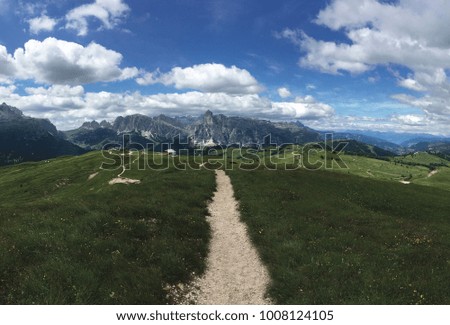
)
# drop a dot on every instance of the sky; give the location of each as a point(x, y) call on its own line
point(332, 64)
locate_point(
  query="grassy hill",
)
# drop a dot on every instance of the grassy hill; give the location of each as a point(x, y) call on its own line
point(412, 168)
point(68, 239)
point(331, 238)
point(350, 235)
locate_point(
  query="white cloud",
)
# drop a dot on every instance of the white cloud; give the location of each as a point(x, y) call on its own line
point(68, 107)
point(147, 78)
point(409, 119)
point(24, 8)
point(397, 123)
point(284, 92)
point(413, 101)
point(108, 12)
point(375, 38)
point(7, 91)
point(210, 77)
point(411, 84)
point(7, 68)
point(54, 61)
point(42, 23)
point(56, 91)
point(306, 108)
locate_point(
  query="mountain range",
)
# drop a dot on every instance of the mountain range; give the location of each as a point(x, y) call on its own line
point(23, 138)
point(205, 130)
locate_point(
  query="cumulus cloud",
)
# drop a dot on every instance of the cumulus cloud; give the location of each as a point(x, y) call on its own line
point(54, 61)
point(108, 12)
point(210, 77)
point(42, 23)
point(68, 107)
point(284, 92)
point(7, 67)
point(375, 38)
point(306, 108)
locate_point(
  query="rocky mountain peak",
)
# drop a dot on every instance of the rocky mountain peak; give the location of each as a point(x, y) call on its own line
point(9, 112)
point(208, 118)
point(94, 125)
point(90, 125)
point(105, 125)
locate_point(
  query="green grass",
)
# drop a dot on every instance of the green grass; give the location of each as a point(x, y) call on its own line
point(65, 239)
point(413, 168)
point(423, 158)
point(339, 236)
point(440, 180)
point(331, 238)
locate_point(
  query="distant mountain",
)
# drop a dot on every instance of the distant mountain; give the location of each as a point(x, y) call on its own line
point(433, 147)
point(402, 139)
point(159, 128)
point(23, 138)
point(208, 129)
point(429, 139)
point(374, 141)
point(222, 130)
point(357, 148)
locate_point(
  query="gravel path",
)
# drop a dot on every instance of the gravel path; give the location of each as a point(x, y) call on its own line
point(235, 274)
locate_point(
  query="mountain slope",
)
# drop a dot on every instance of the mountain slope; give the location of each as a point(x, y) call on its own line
point(435, 147)
point(378, 142)
point(24, 138)
point(357, 148)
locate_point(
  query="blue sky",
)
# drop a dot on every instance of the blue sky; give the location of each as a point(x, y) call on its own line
point(342, 64)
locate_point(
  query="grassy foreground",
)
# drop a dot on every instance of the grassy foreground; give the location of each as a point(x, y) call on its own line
point(328, 237)
point(332, 238)
point(65, 239)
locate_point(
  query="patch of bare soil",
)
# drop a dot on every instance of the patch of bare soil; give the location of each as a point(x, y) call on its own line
point(92, 176)
point(123, 180)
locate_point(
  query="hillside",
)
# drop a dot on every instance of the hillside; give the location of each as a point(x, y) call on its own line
point(374, 141)
point(353, 147)
point(330, 238)
point(69, 237)
point(24, 138)
point(434, 147)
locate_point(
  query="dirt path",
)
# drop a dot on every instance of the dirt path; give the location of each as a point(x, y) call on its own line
point(235, 274)
point(432, 173)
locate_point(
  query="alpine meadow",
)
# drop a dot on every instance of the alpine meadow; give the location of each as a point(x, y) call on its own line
point(225, 152)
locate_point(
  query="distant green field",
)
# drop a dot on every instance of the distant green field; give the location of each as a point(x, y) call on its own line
point(422, 158)
point(413, 168)
point(331, 238)
point(69, 240)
